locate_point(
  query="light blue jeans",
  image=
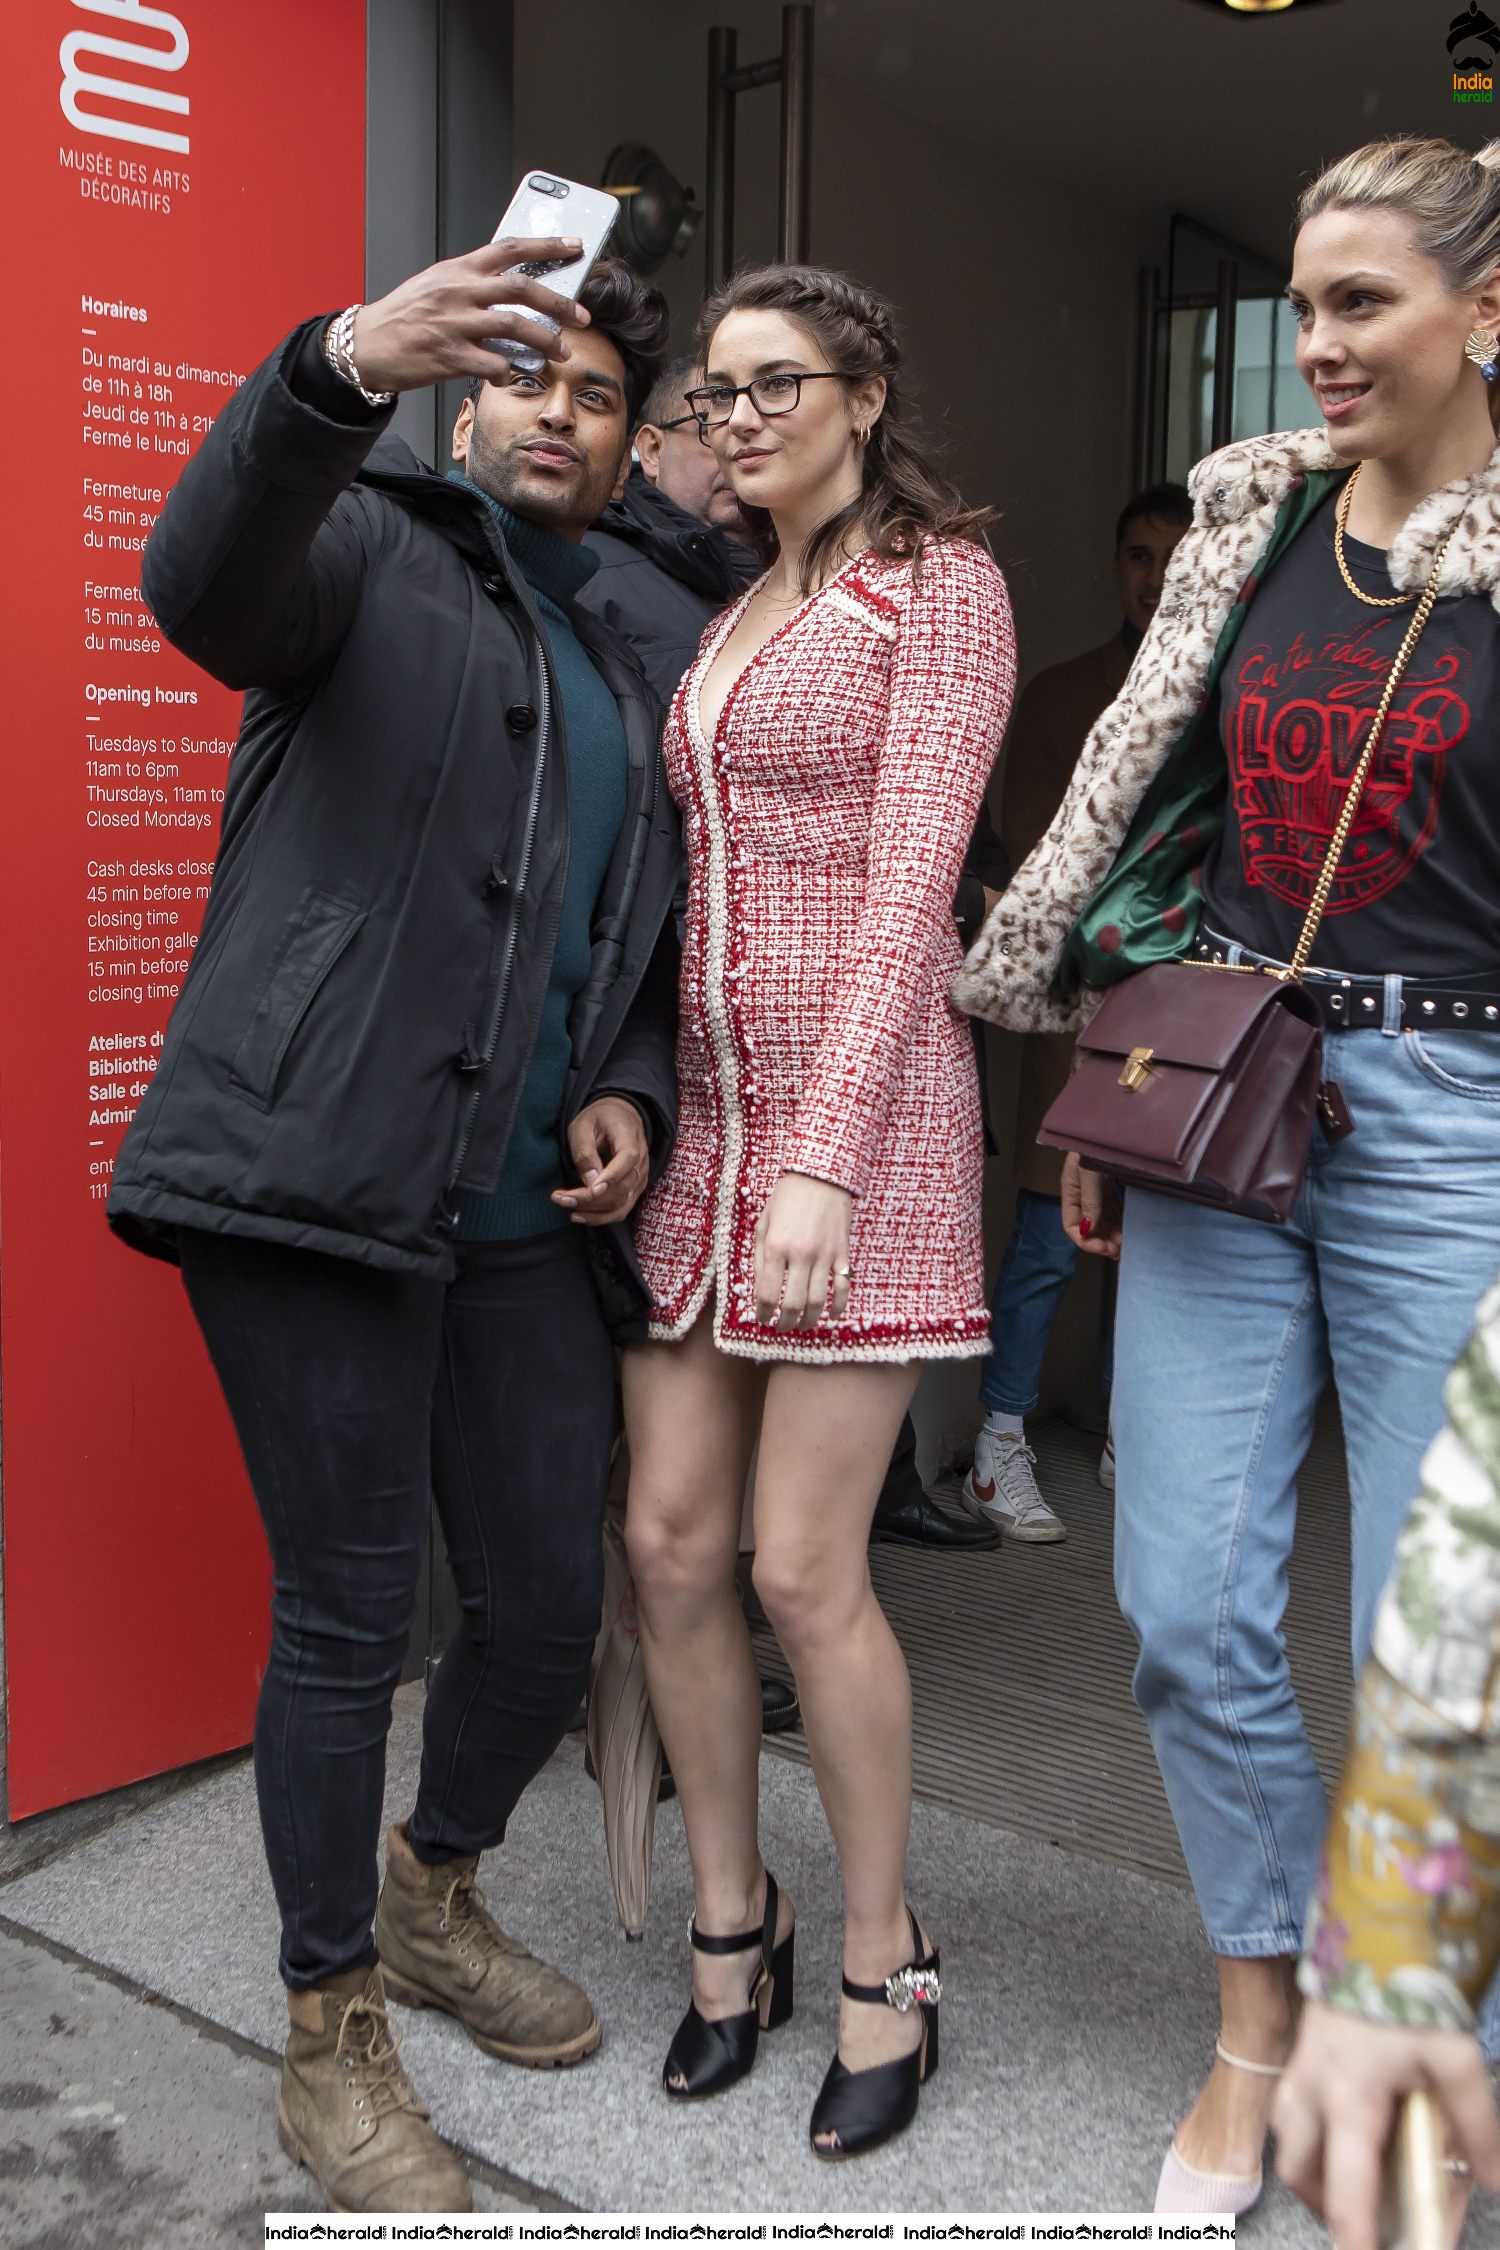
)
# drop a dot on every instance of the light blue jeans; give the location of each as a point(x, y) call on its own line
point(1226, 1331)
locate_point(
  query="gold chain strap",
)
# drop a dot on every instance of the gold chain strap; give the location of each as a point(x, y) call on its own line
point(1362, 771)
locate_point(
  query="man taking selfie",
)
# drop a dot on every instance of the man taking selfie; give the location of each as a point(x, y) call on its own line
point(417, 1077)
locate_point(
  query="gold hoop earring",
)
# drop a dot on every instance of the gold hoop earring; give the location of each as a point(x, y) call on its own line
point(1483, 348)
point(862, 437)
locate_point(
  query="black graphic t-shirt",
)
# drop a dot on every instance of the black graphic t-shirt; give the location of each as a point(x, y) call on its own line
point(1418, 888)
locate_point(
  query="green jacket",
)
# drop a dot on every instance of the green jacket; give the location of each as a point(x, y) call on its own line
point(1149, 906)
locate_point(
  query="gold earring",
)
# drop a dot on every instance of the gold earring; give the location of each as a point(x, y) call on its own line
point(862, 436)
point(1483, 348)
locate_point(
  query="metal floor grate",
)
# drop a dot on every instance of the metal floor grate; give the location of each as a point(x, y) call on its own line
point(1021, 1664)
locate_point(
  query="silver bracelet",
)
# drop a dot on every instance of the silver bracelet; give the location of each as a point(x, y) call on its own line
point(338, 350)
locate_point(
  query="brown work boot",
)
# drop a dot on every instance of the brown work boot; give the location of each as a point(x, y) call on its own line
point(348, 2111)
point(440, 1947)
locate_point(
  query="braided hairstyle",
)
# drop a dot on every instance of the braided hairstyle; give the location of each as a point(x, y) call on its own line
point(904, 497)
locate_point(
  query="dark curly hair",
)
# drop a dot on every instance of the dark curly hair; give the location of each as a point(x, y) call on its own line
point(904, 498)
point(633, 315)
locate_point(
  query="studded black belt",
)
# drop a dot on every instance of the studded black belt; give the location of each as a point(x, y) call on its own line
point(1369, 1003)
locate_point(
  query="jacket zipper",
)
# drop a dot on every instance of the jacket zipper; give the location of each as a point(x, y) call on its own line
point(502, 987)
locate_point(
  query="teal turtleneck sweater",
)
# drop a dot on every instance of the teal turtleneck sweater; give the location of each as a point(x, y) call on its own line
point(555, 569)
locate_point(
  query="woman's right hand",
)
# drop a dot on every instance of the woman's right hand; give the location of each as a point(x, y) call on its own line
point(1090, 1210)
point(802, 1268)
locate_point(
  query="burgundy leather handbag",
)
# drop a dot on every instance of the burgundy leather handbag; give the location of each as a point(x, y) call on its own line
point(1198, 1084)
point(1201, 1080)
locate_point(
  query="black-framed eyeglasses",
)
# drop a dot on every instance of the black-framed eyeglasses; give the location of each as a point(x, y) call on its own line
point(678, 422)
point(714, 403)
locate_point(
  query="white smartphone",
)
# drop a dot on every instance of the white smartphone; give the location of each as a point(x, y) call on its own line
point(545, 204)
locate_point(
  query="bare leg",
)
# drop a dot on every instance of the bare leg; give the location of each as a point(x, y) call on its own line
point(826, 1440)
point(691, 1414)
point(1225, 2130)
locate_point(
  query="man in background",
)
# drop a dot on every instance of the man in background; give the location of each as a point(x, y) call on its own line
point(672, 547)
point(1052, 718)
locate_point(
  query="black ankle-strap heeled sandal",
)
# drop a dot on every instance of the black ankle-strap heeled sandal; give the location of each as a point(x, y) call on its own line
point(859, 2110)
point(707, 2056)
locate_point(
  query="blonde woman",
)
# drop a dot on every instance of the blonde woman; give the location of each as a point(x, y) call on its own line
point(1200, 817)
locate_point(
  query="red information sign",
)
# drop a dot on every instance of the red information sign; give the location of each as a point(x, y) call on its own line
point(181, 185)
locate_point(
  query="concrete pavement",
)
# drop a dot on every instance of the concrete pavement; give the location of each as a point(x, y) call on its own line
point(128, 2122)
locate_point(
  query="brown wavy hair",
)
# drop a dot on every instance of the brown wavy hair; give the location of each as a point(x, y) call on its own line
point(904, 497)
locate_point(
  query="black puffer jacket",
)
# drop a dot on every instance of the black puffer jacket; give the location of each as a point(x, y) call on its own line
point(662, 576)
point(348, 1047)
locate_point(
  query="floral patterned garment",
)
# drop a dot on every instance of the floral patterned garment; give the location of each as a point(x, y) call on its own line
point(1405, 1923)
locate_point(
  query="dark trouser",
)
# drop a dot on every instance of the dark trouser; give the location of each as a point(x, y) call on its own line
point(902, 1473)
point(356, 1395)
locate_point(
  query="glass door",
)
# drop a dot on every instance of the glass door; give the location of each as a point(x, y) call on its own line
point(1217, 353)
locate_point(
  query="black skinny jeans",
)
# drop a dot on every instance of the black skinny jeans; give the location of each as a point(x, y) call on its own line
point(356, 1395)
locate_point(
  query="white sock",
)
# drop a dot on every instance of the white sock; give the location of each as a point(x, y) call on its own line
point(998, 1424)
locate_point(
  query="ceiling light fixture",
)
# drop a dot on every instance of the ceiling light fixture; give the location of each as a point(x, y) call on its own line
point(1260, 7)
point(658, 216)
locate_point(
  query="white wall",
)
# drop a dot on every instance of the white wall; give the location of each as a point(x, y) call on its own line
point(1017, 301)
point(1019, 326)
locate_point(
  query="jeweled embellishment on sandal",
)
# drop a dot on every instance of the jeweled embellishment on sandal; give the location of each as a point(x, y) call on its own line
point(912, 1987)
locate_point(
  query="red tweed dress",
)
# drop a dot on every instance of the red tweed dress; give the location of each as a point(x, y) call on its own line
point(826, 826)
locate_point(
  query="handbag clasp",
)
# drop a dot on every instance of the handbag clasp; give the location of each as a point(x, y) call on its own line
point(1137, 1069)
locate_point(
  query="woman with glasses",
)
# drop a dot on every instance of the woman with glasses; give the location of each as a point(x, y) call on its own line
point(815, 1237)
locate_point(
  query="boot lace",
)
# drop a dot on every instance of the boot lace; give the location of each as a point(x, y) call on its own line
point(471, 1926)
point(369, 2050)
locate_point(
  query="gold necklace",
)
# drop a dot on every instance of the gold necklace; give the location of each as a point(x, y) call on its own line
point(1340, 518)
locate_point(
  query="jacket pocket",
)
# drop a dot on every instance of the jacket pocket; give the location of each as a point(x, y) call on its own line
point(316, 933)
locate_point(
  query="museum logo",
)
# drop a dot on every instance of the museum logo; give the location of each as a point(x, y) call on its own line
point(112, 86)
point(1473, 43)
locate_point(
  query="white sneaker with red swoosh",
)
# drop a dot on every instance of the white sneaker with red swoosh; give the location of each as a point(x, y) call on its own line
point(1001, 1488)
